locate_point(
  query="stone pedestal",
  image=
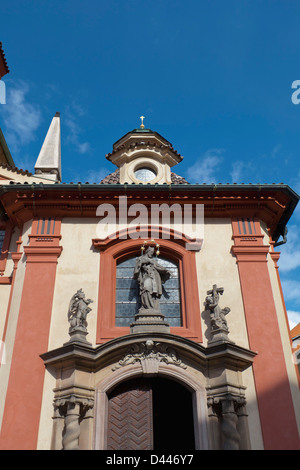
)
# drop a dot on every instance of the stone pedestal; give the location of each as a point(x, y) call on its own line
point(219, 335)
point(149, 321)
point(78, 335)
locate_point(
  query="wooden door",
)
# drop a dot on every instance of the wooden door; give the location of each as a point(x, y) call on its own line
point(130, 417)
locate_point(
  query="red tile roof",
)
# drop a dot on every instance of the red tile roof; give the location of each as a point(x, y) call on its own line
point(295, 331)
point(14, 169)
point(3, 64)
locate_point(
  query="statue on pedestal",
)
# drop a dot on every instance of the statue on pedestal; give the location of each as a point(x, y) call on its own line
point(219, 327)
point(150, 276)
point(77, 314)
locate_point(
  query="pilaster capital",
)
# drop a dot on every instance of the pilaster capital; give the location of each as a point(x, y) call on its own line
point(42, 254)
point(226, 402)
point(251, 253)
point(66, 405)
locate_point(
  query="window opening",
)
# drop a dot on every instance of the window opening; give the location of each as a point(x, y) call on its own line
point(2, 235)
point(128, 299)
point(145, 174)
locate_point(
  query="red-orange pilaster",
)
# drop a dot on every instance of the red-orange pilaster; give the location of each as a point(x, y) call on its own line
point(16, 256)
point(276, 409)
point(24, 394)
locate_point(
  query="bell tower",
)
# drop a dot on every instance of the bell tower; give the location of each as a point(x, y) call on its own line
point(144, 157)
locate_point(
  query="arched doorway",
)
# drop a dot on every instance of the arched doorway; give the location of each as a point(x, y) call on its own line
point(150, 414)
point(173, 416)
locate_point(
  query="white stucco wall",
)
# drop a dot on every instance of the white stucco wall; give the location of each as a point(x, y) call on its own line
point(78, 267)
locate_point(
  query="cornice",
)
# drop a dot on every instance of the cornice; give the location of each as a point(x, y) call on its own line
point(274, 204)
point(87, 356)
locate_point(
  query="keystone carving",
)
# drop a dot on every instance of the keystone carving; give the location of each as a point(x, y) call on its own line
point(149, 353)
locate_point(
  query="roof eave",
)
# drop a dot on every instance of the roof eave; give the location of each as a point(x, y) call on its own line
point(293, 197)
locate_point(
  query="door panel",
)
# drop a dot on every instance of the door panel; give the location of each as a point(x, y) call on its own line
point(147, 414)
point(130, 421)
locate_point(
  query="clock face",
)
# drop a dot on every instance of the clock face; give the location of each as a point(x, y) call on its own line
point(145, 174)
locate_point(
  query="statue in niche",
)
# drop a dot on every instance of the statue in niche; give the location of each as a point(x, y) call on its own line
point(150, 276)
point(217, 315)
point(78, 311)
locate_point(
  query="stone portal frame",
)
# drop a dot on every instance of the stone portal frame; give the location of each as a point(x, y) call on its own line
point(85, 375)
point(199, 398)
point(113, 250)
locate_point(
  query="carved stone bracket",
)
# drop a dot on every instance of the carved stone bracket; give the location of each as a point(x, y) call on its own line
point(150, 354)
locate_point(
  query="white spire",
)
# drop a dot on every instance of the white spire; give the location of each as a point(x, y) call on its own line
point(48, 164)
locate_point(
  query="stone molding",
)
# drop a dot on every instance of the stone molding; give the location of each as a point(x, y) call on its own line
point(204, 371)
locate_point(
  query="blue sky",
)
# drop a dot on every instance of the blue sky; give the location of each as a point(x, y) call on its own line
point(213, 77)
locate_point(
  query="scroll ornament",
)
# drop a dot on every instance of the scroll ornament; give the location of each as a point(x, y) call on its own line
point(150, 351)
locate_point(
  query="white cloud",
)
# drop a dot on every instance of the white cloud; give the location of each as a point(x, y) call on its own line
point(74, 130)
point(290, 252)
point(21, 117)
point(236, 172)
point(295, 183)
point(240, 171)
point(296, 213)
point(291, 289)
point(275, 151)
point(91, 176)
point(205, 168)
point(293, 317)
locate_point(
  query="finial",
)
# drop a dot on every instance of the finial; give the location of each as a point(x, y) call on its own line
point(142, 119)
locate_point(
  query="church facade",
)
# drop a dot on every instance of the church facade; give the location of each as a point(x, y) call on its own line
point(143, 312)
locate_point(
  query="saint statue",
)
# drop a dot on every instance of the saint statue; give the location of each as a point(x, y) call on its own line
point(217, 314)
point(150, 276)
point(78, 310)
